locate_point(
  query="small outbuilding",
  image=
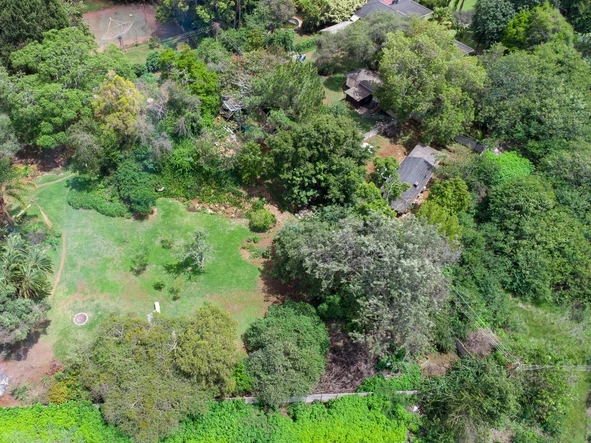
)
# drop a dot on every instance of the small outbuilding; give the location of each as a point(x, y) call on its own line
point(416, 170)
point(360, 86)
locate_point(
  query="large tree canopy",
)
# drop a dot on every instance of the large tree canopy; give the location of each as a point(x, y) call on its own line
point(25, 21)
point(383, 275)
point(537, 102)
point(287, 352)
point(319, 161)
point(426, 76)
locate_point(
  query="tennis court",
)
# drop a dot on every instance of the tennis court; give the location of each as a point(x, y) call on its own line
point(134, 23)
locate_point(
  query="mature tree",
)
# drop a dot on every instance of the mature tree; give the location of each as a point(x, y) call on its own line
point(12, 189)
point(130, 368)
point(62, 73)
point(491, 17)
point(536, 26)
point(369, 199)
point(537, 102)
point(426, 76)
point(541, 248)
point(9, 144)
point(206, 350)
point(451, 194)
point(69, 58)
point(287, 352)
point(25, 268)
point(118, 104)
point(386, 178)
point(359, 44)
point(319, 161)
point(438, 215)
point(186, 68)
point(382, 275)
point(578, 13)
point(338, 11)
point(271, 14)
point(24, 273)
point(474, 397)
point(293, 87)
point(195, 253)
point(201, 13)
point(25, 21)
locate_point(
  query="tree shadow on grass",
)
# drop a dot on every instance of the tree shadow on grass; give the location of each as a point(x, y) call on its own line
point(20, 350)
point(183, 268)
point(335, 83)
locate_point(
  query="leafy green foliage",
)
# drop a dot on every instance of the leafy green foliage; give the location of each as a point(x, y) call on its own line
point(409, 378)
point(206, 351)
point(130, 367)
point(261, 220)
point(8, 142)
point(293, 87)
point(474, 397)
point(287, 352)
point(318, 161)
point(537, 102)
point(425, 75)
point(203, 83)
point(67, 422)
point(451, 194)
point(369, 199)
point(25, 21)
point(382, 275)
point(344, 420)
point(511, 165)
point(196, 253)
point(491, 17)
point(443, 217)
point(535, 26)
point(359, 44)
point(87, 194)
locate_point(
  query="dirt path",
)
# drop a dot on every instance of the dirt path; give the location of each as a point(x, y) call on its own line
point(58, 276)
point(44, 215)
point(43, 185)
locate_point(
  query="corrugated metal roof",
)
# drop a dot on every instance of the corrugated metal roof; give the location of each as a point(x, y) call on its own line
point(402, 7)
point(464, 48)
point(410, 7)
point(416, 170)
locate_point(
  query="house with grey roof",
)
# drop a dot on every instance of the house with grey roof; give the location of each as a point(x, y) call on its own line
point(401, 7)
point(416, 170)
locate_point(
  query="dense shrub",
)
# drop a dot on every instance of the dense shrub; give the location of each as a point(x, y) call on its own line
point(80, 422)
point(346, 420)
point(409, 379)
point(261, 220)
point(287, 352)
point(85, 194)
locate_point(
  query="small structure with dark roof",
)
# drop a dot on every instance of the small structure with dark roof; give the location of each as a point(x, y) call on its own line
point(466, 50)
point(416, 170)
point(360, 86)
point(401, 7)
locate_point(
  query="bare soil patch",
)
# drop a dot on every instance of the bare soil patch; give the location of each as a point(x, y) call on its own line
point(144, 25)
point(348, 364)
point(438, 364)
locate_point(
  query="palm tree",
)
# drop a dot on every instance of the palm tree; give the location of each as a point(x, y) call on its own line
point(12, 187)
point(24, 268)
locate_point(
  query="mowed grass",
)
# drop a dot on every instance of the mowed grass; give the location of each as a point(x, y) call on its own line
point(97, 277)
point(334, 93)
point(139, 53)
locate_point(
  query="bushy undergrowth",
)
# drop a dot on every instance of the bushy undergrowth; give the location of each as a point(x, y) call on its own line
point(348, 419)
point(84, 194)
point(404, 378)
point(69, 422)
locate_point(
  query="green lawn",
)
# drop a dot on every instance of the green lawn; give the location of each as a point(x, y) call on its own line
point(468, 5)
point(97, 5)
point(139, 53)
point(97, 279)
point(335, 93)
